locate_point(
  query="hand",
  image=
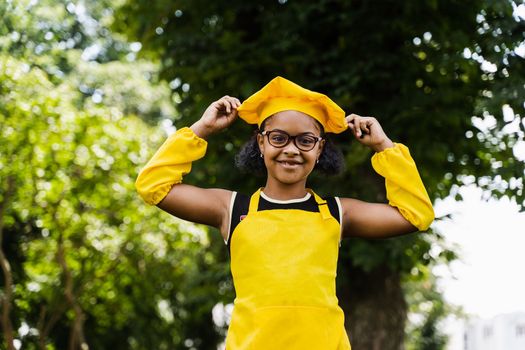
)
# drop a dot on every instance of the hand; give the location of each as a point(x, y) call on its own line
point(219, 115)
point(368, 132)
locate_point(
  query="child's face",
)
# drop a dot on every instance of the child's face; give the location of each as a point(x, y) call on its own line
point(289, 164)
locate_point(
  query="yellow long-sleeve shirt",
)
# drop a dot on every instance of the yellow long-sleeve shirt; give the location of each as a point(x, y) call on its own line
point(404, 187)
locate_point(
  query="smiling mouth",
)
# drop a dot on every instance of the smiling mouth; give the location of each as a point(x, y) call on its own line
point(289, 164)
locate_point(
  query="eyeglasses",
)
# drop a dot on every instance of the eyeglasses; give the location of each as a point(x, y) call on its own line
point(279, 139)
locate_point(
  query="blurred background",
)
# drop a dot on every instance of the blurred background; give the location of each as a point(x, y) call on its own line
point(90, 89)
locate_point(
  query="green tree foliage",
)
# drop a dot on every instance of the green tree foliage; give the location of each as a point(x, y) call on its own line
point(415, 65)
point(428, 305)
point(71, 41)
point(84, 262)
point(427, 310)
point(92, 264)
point(423, 68)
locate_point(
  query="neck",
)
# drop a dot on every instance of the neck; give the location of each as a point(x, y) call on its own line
point(281, 191)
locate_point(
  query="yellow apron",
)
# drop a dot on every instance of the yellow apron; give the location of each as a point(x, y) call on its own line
point(283, 263)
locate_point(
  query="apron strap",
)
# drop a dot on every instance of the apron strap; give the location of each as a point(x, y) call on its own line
point(321, 203)
point(254, 201)
point(323, 206)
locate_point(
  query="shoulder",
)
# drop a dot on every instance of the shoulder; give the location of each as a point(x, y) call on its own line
point(350, 206)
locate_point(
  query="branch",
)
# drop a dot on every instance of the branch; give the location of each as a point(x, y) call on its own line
point(76, 338)
point(43, 328)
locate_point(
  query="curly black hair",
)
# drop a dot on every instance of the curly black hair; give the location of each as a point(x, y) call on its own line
point(249, 160)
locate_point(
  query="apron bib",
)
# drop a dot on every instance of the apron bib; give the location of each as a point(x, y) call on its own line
point(283, 263)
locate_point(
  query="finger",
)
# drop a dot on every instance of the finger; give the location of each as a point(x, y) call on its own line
point(357, 126)
point(231, 107)
point(227, 107)
point(226, 104)
point(219, 106)
point(350, 118)
point(350, 123)
point(360, 131)
point(232, 102)
point(371, 124)
point(223, 104)
point(363, 126)
point(354, 124)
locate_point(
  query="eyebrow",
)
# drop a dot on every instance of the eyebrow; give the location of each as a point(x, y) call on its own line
point(301, 133)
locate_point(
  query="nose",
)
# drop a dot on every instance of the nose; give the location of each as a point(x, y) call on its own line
point(291, 148)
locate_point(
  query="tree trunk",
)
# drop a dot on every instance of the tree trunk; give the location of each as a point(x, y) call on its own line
point(7, 297)
point(375, 309)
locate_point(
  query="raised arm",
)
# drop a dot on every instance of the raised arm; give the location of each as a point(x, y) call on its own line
point(409, 208)
point(160, 181)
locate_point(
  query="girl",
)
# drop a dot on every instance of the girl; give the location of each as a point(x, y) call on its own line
point(284, 238)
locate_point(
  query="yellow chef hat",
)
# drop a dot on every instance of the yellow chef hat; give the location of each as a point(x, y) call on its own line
point(281, 94)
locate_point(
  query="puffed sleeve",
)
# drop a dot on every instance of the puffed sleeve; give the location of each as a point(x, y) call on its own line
point(404, 188)
point(169, 164)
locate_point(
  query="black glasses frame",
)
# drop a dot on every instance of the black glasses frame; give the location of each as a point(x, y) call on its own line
point(291, 138)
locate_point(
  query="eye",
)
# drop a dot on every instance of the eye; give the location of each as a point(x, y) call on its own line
point(278, 138)
point(306, 140)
